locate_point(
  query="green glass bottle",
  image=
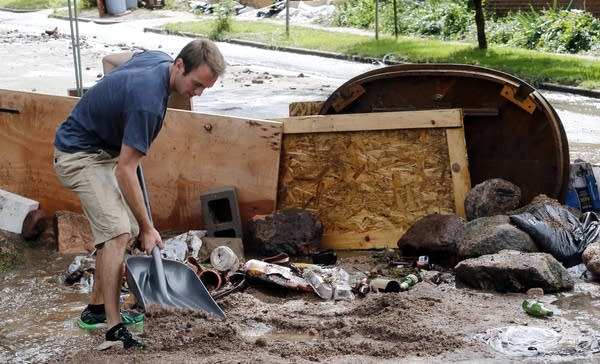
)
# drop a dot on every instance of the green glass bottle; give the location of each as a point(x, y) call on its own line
point(409, 281)
point(534, 308)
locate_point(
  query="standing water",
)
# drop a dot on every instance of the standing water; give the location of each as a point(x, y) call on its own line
point(580, 117)
point(37, 311)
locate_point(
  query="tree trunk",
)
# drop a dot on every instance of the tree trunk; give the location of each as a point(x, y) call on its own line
point(480, 22)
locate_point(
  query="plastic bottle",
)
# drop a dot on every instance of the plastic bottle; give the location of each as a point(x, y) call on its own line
point(317, 282)
point(534, 308)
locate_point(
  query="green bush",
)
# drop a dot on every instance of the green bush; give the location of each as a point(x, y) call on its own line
point(553, 30)
point(224, 10)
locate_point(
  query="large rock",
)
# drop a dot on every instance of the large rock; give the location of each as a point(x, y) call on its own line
point(73, 233)
point(293, 231)
point(492, 197)
point(489, 235)
point(514, 271)
point(591, 257)
point(35, 223)
point(432, 235)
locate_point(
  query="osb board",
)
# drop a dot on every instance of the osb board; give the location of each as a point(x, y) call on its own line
point(194, 153)
point(370, 176)
point(305, 108)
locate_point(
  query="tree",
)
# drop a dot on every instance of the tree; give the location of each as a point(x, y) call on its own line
point(480, 22)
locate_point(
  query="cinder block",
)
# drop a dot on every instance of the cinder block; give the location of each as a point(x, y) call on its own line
point(221, 213)
point(13, 210)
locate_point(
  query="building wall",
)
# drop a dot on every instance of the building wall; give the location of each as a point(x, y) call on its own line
point(503, 6)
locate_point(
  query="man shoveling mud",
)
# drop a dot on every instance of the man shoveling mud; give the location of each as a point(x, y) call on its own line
point(97, 152)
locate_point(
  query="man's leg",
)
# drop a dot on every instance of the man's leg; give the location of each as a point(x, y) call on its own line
point(108, 266)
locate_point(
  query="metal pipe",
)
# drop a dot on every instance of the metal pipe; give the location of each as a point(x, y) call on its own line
point(75, 45)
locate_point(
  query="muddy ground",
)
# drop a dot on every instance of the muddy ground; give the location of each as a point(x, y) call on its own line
point(435, 321)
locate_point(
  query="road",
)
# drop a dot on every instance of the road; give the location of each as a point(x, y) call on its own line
point(259, 83)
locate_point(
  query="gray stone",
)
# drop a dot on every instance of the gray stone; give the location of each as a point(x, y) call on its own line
point(489, 235)
point(492, 197)
point(432, 235)
point(514, 271)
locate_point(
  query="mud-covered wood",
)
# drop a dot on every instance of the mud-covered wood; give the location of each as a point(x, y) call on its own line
point(369, 186)
point(304, 108)
point(193, 153)
point(511, 131)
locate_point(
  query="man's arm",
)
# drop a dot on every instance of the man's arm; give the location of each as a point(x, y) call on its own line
point(132, 191)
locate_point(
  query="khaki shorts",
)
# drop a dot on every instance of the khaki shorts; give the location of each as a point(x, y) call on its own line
point(92, 177)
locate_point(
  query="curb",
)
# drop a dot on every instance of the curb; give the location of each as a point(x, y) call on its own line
point(542, 86)
point(570, 89)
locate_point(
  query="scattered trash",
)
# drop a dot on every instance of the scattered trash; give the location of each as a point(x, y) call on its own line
point(276, 274)
point(326, 257)
point(82, 265)
point(211, 278)
point(443, 277)
point(183, 245)
point(558, 232)
point(269, 11)
point(423, 262)
point(520, 340)
point(385, 285)
point(329, 283)
point(224, 259)
point(535, 308)
point(583, 189)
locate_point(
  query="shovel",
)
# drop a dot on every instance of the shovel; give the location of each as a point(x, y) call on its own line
point(166, 282)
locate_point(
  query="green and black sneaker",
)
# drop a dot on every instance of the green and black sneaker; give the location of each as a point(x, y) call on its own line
point(121, 337)
point(90, 320)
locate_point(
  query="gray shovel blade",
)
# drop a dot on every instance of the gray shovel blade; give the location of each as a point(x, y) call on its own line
point(166, 282)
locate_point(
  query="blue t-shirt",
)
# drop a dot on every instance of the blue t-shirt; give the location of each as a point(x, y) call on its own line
point(127, 106)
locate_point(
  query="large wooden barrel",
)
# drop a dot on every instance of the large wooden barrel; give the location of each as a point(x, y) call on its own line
point(511, 131)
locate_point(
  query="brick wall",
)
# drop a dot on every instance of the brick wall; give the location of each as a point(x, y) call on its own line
point(503, 6)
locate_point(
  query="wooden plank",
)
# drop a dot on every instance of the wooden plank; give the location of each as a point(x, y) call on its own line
point(372, 121)
point(369, 186)
point(459, 165)
point(193, 153)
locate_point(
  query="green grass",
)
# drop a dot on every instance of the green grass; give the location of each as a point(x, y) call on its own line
point(32, 4)
point(531, 66)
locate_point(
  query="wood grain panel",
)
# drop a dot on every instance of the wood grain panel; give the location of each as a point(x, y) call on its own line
point(375, 175)
point(194, 153)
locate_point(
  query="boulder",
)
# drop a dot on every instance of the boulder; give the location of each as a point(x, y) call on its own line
point(73, 233)
point(292, 231)
point(492, 197)
point(591, 257)
point(34, 224)
point(489, 235)
point(514, 271)
point(432, 235)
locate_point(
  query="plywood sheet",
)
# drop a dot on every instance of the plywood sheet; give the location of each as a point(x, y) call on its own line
point(370, 176)
point(194, 153)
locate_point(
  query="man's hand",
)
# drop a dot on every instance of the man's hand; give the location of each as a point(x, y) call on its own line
point(149, 239)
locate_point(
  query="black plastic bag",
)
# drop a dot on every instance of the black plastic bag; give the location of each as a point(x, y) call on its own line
point(558, 232)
